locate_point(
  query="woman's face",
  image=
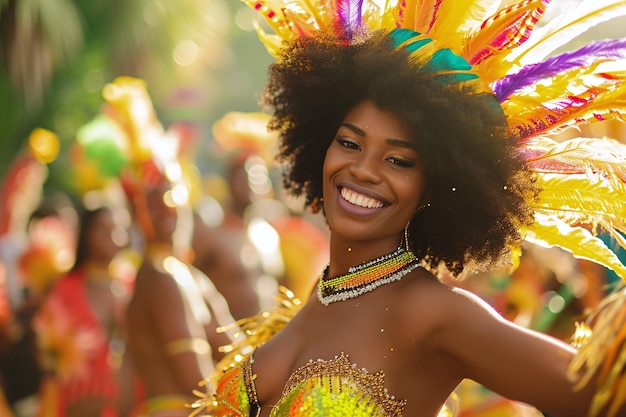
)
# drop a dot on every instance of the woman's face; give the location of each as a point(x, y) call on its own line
point(373, 177)
point(163, 216)
point(101, 238)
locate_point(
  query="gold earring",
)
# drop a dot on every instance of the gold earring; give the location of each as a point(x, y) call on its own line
point(420, 208)
point(315, 204)
point(406, 236)
point(406, 228)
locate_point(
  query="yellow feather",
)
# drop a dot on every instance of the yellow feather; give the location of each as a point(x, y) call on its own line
point(445, 21)
point(426, 14)
point(374, 16)
point(581, 80)
point(482, 39)
point(604, 349)
point(583, 196)
point(539, 120)
point(411, 10)
point(614, 357)
point(272, 43)
point(494, 66)
point(456, 19)
point(388, 18)
point(289, 18)
point(619, 396)
point(550, 231)
point(272, 12)
point(319, 11)
point(604, 156)
point(604, 323)
point(573, 22)
point(618, 238)
point(605, 94)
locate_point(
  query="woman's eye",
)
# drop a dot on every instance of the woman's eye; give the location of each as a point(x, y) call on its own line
point(402, 162)
point(346, 143)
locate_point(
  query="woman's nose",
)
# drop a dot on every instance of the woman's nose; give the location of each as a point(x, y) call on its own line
point(366, 169)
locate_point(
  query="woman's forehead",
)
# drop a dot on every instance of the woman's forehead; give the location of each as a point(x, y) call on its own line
point(367, 118)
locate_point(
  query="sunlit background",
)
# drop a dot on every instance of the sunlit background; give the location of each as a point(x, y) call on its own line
point(200, 58)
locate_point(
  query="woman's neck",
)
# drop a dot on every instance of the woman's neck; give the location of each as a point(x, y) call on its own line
point(161, 249)
point(97, 271)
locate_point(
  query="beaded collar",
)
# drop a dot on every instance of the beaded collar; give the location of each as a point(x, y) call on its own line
point(366, 276)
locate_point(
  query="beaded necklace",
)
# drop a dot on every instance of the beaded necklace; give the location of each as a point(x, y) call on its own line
point(366, 276)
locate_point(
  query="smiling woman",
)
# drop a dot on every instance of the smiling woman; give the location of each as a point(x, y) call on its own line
point(421, 168)
point(372, 183)
point(468, 163)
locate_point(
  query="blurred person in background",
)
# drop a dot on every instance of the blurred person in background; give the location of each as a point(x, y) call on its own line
point(215, 246)
point(246, 142)
point(263, 224)
point(25, 233)
point(80, 326)
point(214, 256)
point(44, 255)
point(175, 308)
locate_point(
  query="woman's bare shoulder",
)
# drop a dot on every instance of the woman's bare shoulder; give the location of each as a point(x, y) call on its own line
point(424, 290)
point(428, 305)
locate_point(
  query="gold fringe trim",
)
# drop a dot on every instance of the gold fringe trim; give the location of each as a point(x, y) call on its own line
point(601, 357)
point(249, 333)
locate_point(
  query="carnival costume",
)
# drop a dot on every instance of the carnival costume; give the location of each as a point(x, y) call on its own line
point(502, 52)
point(128, 144)
point(163, 406)
point(330, 388)
point(68, 325)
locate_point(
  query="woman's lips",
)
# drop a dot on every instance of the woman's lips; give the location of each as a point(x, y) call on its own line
point(360, 200)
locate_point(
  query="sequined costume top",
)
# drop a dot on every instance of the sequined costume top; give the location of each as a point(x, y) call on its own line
point(328, 388)
point(319, 388)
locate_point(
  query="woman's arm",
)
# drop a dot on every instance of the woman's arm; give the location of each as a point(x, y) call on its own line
point(512, 361)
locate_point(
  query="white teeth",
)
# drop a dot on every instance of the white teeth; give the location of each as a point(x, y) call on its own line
point(360, 199)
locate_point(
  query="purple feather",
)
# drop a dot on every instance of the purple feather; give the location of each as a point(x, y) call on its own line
point(350, 14)
point(530, 74)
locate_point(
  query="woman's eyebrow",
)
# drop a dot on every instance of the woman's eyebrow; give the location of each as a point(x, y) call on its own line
point(391, 141)
point(353, 128)
point(401, 143)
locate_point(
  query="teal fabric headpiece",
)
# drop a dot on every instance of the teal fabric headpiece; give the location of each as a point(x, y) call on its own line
point(452, 67)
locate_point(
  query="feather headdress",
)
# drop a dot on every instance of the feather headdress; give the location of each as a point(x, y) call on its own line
point(504, 48)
